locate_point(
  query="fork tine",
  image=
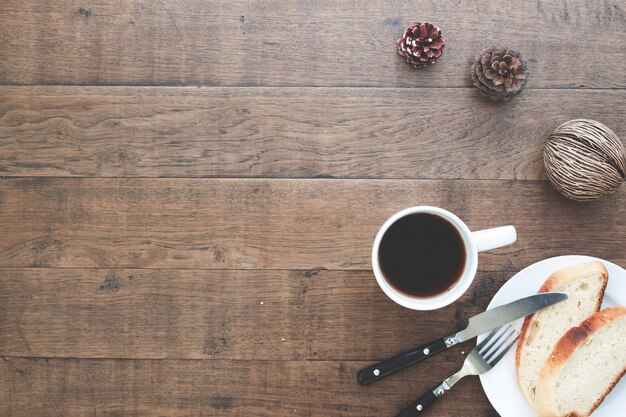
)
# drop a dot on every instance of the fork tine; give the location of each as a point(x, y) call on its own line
point(494, 361)
point(488, 338)
point(497, 344)
point(502, 340)
point(494, 341)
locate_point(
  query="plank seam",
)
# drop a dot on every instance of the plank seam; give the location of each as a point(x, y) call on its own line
point(75, 358)
point(363, 87)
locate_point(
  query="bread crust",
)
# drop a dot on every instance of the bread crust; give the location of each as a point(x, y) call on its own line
point(568, 344)
point(553, 281)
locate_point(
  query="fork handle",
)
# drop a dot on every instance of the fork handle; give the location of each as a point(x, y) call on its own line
point(382, 369)
point(422, 403)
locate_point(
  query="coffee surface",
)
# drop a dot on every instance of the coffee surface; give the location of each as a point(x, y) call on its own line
point(422, 255)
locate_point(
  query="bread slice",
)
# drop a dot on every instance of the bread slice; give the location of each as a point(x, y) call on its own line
point(585, 365)
point(584, 284)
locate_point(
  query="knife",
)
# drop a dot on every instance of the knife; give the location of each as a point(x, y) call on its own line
point(478, 324)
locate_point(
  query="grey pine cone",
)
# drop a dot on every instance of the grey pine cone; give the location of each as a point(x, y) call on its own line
point(499, 73)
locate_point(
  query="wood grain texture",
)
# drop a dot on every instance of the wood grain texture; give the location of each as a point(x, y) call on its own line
point(286, 132)
point(69, 388)
point(191, 296)
point(279, 224)
point(295, 43)
point(200, 314)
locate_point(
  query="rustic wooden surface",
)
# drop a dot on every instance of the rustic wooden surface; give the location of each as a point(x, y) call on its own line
point(283, 132)
point(568, 43)
point(189, 191)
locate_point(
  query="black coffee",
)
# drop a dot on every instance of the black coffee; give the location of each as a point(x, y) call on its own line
point(422, 255)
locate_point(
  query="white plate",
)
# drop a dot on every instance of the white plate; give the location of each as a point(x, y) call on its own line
point(500, 384)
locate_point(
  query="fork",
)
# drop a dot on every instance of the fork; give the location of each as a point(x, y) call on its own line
point(480, 360)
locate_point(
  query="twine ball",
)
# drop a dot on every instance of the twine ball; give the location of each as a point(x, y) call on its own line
point(585, 160)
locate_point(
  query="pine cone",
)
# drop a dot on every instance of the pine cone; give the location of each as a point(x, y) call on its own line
point(421, 44)
point(499, 73)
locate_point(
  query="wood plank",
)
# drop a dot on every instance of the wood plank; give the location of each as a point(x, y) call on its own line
point(295, 43)
point(53, 388)
point(200, 314)
point(346, 132)
point(279, 224)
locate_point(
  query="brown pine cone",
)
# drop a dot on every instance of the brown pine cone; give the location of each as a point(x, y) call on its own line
point(421, 44)
point(499, 73)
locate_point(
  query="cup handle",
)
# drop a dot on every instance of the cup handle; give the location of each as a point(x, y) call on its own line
point(494, 238)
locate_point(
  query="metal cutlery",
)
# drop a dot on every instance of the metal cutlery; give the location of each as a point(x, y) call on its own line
point(480, 360)
point(478, 324)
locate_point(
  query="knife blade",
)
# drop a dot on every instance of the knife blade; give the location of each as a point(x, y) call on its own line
point(478, 324)
point(496, 317)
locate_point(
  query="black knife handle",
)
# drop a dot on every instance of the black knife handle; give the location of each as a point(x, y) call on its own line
point(388, 367)
point(418, 407)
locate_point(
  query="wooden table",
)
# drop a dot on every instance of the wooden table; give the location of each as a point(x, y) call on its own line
point(190, 190)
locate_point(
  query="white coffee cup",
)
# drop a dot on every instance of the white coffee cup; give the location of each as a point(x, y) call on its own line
point(473, 242)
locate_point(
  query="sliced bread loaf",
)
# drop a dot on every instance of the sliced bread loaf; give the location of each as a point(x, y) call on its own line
point(584, 284)
point(585, 365)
